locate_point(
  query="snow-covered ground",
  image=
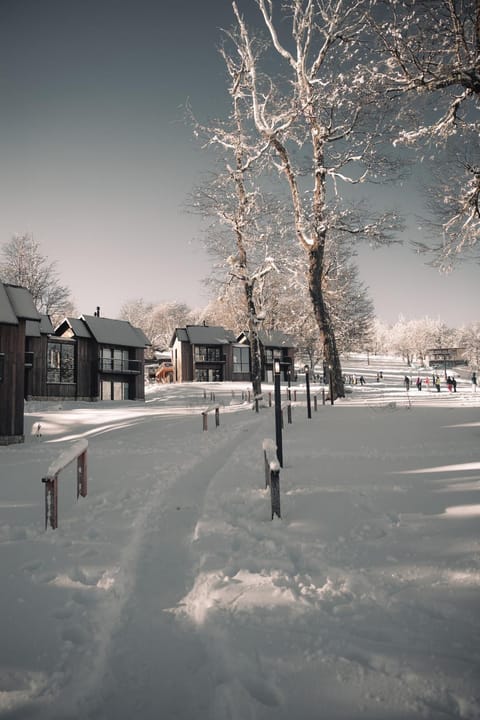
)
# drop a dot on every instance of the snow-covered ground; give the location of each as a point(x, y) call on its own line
point(169, 593)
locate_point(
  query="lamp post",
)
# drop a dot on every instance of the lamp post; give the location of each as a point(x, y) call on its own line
point(307, 383)
point(278, 412)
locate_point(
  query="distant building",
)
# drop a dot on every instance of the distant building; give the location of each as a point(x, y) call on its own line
point(445, 357)
point(202, 353)
point(213, 354)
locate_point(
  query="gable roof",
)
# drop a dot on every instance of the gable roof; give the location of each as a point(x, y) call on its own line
point(7, 314)
point(16, 303)
point(209, 335)
point(115, 332)
point(76, 325)
point(35, 329)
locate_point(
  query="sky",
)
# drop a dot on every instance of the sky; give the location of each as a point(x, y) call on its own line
point(169, 591)
point(97, 161)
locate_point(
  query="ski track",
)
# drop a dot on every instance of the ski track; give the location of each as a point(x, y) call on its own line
point(120, 684)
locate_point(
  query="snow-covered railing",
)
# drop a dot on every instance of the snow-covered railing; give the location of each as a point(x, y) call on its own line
point(78, 452)
point(205, 412)
point(272, 474)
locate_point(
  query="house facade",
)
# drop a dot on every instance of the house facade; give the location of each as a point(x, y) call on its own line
point(275, 346)
point(201, 353)
point(16, 310)
point(96, 358)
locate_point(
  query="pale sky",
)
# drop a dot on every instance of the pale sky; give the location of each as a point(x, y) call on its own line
point(97, 162)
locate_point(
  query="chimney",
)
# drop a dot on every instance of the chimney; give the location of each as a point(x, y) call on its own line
point(97, 312)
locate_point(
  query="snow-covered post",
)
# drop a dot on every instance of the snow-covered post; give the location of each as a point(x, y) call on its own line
point(78, 452)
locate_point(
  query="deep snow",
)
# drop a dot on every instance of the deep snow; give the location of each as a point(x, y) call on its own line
point(169, 593)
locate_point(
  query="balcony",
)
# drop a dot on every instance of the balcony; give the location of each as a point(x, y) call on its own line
point(121, 367)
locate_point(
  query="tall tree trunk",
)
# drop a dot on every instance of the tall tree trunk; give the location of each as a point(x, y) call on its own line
point(322, 316)
point(255, 358)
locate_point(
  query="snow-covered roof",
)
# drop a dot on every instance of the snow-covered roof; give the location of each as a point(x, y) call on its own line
point(17, 302)
point(114, 332)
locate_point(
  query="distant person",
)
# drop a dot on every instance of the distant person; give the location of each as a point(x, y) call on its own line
point(407, 383)
point(419, 383)
point(437, 382)
point(449, 383)
point(362, 380)
point(427, 382)
point(454, 383)
point(474, 382)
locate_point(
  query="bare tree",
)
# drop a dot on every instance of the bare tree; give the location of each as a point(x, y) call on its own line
point(23, 264)
point(139, 314)
point(158, 321)
point(320, 115)
point(238, 237)
point(431, 64)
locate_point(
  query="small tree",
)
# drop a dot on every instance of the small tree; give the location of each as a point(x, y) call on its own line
point(23, 264)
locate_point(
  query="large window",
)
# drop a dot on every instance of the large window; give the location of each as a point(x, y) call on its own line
point(113, 360)
point(272, 354)
point(60, 362)
point(241, 359)
point(203, 353)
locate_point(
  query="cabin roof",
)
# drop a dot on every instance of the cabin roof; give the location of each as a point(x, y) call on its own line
point(16, 303)
point(205, 335)
point(36, 329)
point(115, 332)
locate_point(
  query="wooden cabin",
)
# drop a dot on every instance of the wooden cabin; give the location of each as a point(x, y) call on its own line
point(274, 345)
point(212, 354)
point(96, 358)
point(16, 310)
point(202, 353)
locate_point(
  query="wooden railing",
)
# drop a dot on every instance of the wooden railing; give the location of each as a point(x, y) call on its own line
point(77, 452)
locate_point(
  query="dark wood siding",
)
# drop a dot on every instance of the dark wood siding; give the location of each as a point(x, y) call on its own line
point(12, 345)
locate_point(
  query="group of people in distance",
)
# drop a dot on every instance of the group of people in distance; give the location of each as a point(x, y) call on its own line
point(450, 381)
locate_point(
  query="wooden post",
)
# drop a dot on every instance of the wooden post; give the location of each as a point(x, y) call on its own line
point(82, 475)
point(217, 416)
point(289, 413)
point(205, 421)
point(51, 502)
point(275, 492)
